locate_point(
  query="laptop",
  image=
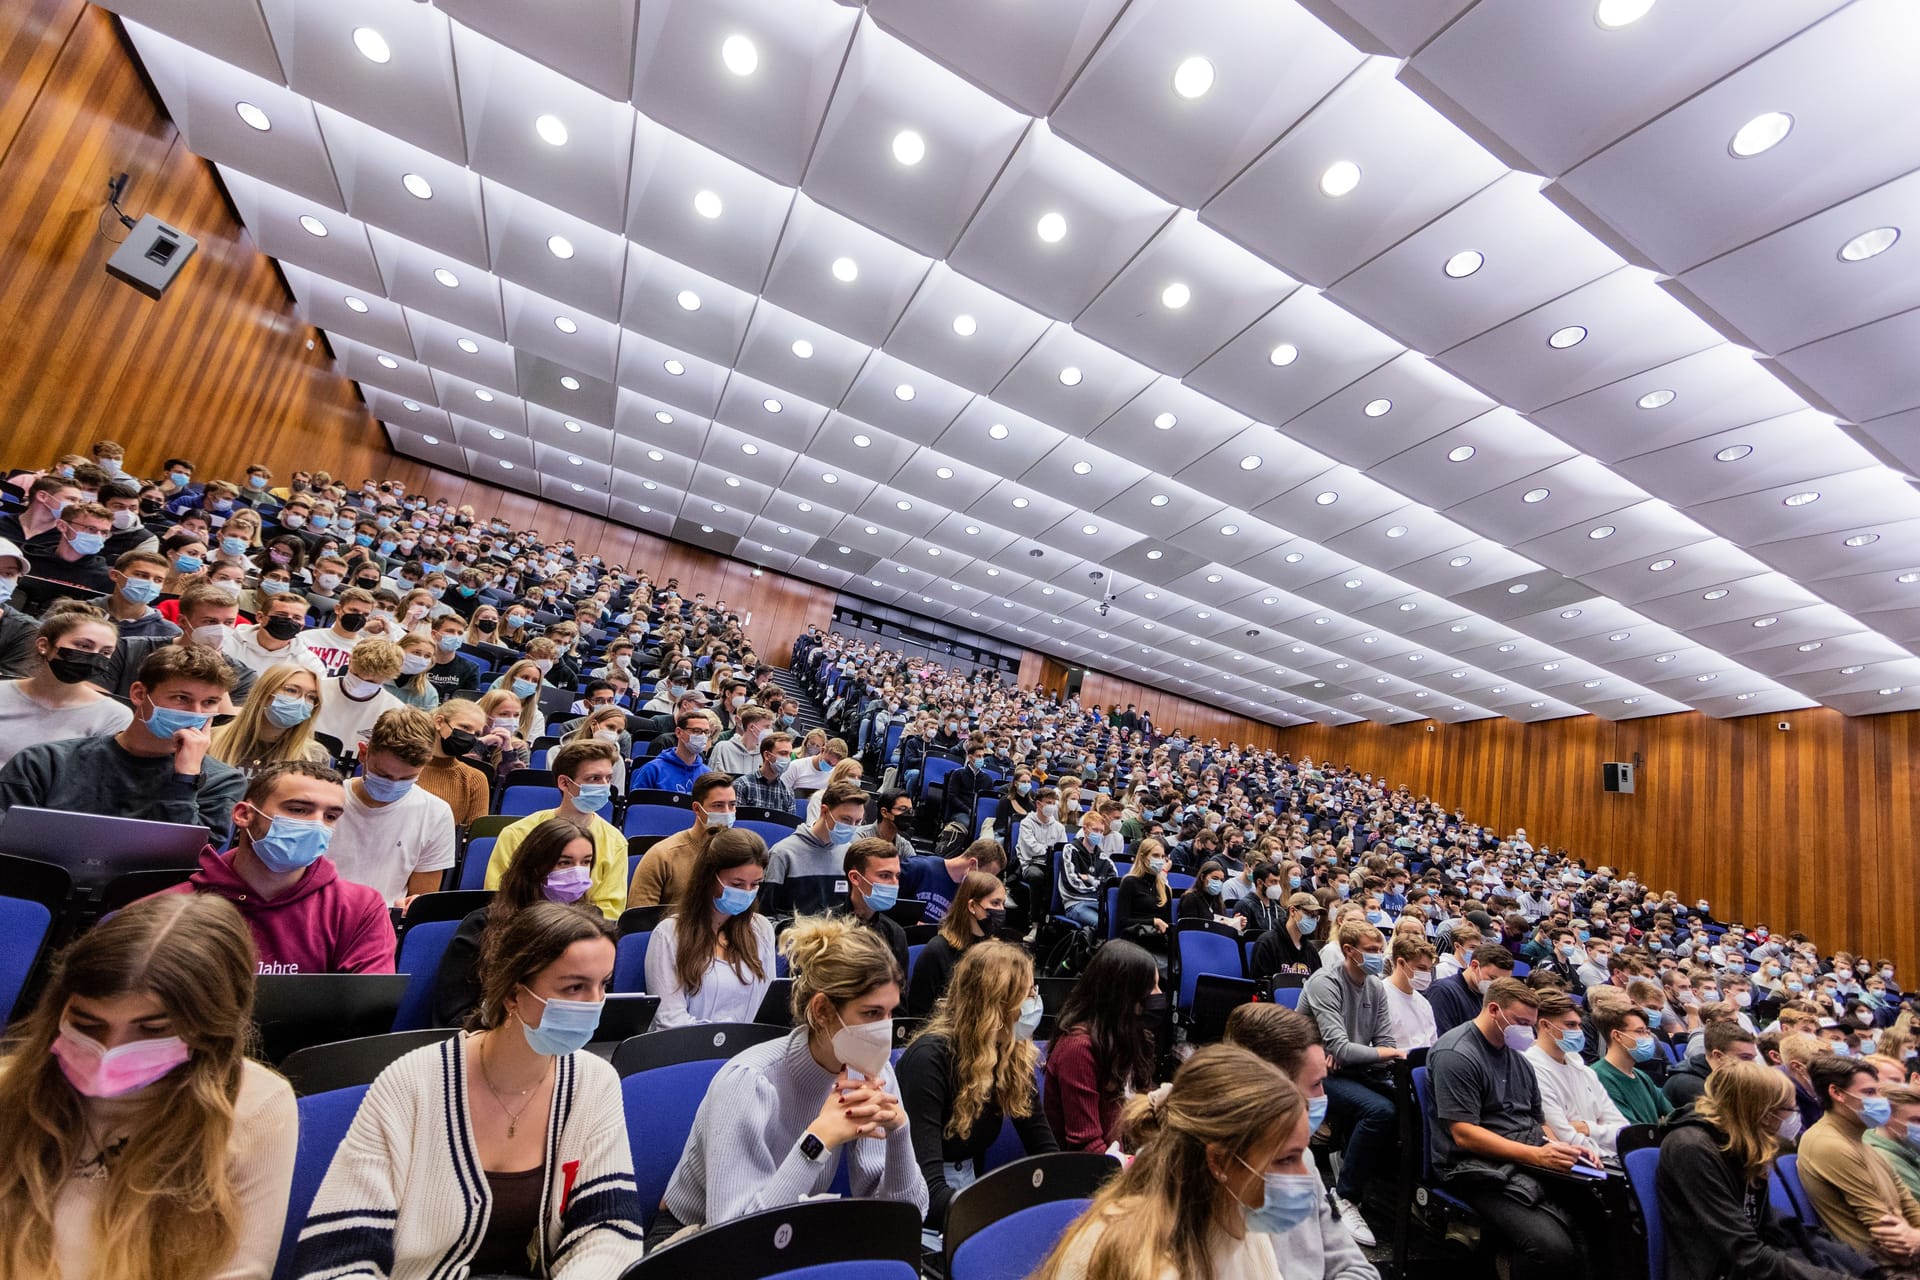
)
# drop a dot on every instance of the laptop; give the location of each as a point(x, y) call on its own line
point(294, 1010)
point(95, 849)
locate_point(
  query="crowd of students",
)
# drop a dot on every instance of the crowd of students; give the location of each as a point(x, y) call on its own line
point(302, 670)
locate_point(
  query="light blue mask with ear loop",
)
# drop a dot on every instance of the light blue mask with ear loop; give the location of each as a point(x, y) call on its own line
point(566, 1026)
point(1289, 1200)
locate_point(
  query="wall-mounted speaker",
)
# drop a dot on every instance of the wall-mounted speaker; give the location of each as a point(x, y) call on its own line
point(151, 256)
point(1616, 776)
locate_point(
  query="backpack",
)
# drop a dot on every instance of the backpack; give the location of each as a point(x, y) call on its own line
point(951, 841)
point(1069, 956)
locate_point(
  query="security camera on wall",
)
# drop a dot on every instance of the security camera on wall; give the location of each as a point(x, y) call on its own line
point(153, 253)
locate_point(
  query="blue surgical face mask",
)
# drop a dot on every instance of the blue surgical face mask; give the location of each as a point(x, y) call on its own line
point(179, 478)
point(1875, 1111)
point(292, 843)
point(321, 522)
point(387, 547)
point(187, 564)
point(385, 790)
point(166, 721)
point(524, 689)
point(1316, 1113)
point(1290, 1199)
point(593, 797)
point(1572, 1042)
point(566, 1026)
point(288, 710)
point(1643, 1049)
point(842, 833)
point(732, 901)
point(1308, 924)
point(88, 543)
point(881, 897)
point(1374, 962)
point(140, 590)
point(1216, 887)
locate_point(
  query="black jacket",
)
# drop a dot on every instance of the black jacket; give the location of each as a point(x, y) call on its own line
point(1717, 1225)
point(1686, 1082)
point(1137, 904)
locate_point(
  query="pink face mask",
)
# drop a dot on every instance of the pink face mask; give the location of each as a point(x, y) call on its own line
point(99, 1072)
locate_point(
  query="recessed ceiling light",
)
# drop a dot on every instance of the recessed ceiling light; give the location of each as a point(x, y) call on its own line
point(552, 130)
point(1193, 77)
point(483, 395)
point(1852, 671)
point(1733, 452)
point(1718, 593)
point(739, 55)
point(1463, 264)
point(1869, 244)
point(1517, 589)
point(1352, 584)
point(1620, 635)
point(1801, 499)
point(1762, 133)
point(1569, 336)
point(688, 300)
point(1863, 539)
point(355, 304)
point(1228, 530)
point(998, 431)
point(1499, 688)
point(387, 362)
point(973, 529)
point(1377, 408)
point(707, 204)
point(254, 116)
point(1536, 495)
point(570, 382)
point(805, 507)
point(431, 439)
point(1614, 14)
point(446, 277)
point(909, 148)
point(1341, 177)
point(1709, 678)
point(1461, 562)
point(1165, 421)
point(1657, 399)
point(417, 186)
point(1322, 620)
point(1601, 531)
point(1908, 578)
point(1284, 354)
point(862, 440)
point(1089, 529)
point(469, 346)
point(1052, 227)
point(944, 473)
point(1082, 468)
point(1175, 296)
point(1070, 376)
point(313, 225)
point(1460, 453)
point(846, 270)
point(771, 405)
point(565, 324)
point(1889, 692)
point(1661, 566)
point(1295, 557)
point(572, 426)
point(674, 367)
point(1326, 498)
point(508, 466)
point(1019, 504)
point(1158, 500)
point(371, 45)
point(665, 419)
point(1809, 646)
point(1765, 622)
point(496, 433)
point(1408, 607)
point(411, 406)
point(1397, 531)
point(903, 392)
point(655, 455)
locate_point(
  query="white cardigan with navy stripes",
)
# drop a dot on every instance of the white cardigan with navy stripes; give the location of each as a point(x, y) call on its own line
point(406, 1198)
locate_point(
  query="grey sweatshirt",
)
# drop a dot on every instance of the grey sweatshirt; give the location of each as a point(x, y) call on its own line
point(1352, 1017)
point(98, 775)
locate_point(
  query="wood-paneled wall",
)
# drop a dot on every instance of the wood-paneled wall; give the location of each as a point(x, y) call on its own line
point(1811, 828)
point(1170, 711)
point(220, 370)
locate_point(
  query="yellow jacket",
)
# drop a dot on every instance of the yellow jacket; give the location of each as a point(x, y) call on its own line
point(609, 888)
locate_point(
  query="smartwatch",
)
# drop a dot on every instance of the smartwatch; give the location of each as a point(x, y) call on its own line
point(811, 1147)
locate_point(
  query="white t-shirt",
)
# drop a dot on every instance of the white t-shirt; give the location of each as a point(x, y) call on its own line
point(243, 646)
point(1411, 1018)
point(805, 774)
point(346, 720)
point(24, 722)
point(329, 647)
point(381, 846)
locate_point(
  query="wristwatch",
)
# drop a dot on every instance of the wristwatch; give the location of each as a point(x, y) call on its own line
point(811, 1147)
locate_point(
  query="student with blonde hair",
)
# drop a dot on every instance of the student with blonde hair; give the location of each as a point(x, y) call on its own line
point(411, 686)
point(352, 701)
point(972, 1066)
point(275, 723)
point(1220, 1169)
point(142, 1143)
point(781, 1117)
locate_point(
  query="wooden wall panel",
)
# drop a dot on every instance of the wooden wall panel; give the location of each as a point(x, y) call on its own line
point(1170, 711)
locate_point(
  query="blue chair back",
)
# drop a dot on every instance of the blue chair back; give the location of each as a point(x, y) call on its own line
point(913, 958)
point(801, 804)
point(1288, 996)
point(1012, 838)
point(23, 931)
point(859, 1269)
point(523, 799)
point(934, 770)
point(473, 872)
point(1113, 910)
point(1198, 951)
point(1016, 1245)
point(772, 832)
point(630, 963)
point(1179, 881)
point(324, 1121)
point(1787, 1168)
point(892, 747)
point(656, 819)
point(660, 1106)
point(983, 809)
point(1521, 968)
point(1642, 1165)
point(420, 953)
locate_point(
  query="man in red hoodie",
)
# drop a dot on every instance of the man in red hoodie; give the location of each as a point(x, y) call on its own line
point(304, 917)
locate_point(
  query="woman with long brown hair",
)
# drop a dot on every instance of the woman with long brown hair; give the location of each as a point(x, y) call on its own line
point(141, 1142)
point(712, 959)
point(970, 1068)
point(978, 911)
point(1220, 1169)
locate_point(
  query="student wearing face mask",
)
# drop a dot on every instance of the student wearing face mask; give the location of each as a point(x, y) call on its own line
point(1410, 972)
point(56, 699)
point(1144, 906)
point(1319, 1247)
point(541, 1182)
point(353, 701)
point(140, 1138)
point(712, 959)
point(1897, 1140)
point(137, 579)
point(1103, 1046)
point(157, 767)
point(782, 1118)
point(677, 768)
point(1576, 1105)
point(1854, 1191)
point(1629, 1044)
point(1458, 999)
point(979, 913)
point(394, 836)
point(303, 916)
point(1220, 1173)
point(869, 888)
point(207, 614)
point(806, 873)
point(965, 786)
point(971, 1067)
point(1290, 948)
point(583, 771)
point(1349, 1004)
point(333, 644)
point(1084, 869)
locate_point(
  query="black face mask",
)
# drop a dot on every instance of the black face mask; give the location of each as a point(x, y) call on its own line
point(1154, 1007)
point(71, 666)
point(993, 921)
point(151, 506)
point(351, 622)
point(485, 626)
point(459, 742)
point(282, 627)
point(367, 584)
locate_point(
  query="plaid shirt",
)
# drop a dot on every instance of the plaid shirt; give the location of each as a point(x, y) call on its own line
point(753, 789)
